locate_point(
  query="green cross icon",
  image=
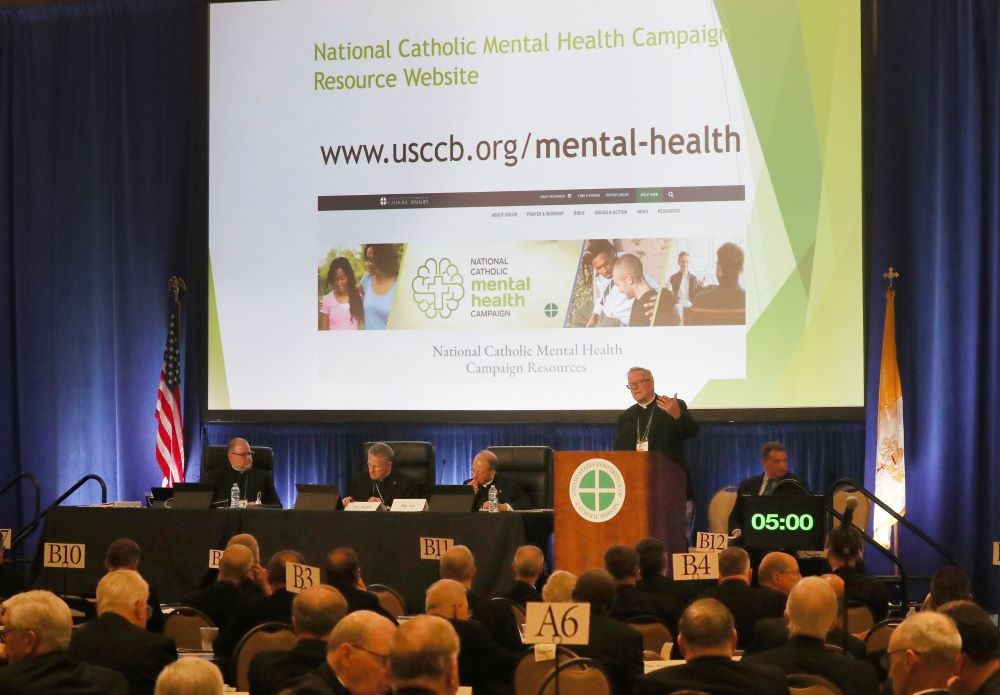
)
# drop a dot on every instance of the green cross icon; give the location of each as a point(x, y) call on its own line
point(597, 491)
point(551, 310)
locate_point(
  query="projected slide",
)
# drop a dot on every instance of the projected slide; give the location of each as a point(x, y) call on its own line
point(493, 207)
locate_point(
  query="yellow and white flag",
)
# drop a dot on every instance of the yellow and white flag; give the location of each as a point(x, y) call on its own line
point(890, 473)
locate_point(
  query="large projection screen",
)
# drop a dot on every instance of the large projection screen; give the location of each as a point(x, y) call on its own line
point(408, 203)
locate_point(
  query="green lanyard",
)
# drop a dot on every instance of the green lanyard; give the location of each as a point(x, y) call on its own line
point(649, 423)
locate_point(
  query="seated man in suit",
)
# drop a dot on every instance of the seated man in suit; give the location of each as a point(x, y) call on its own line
point(380, 484)
point(812, 608)
point(844, 556)
point(482, 663)
point(189, 676)
point(459, 564)
point(343, 573)
point(219, 600)
point(746, 604)
point(622, 563)
point(559, 587)
point(528, 564)
point(727, 294)
point(423, 657)
point(707, 639)
point(510, 493)
point(613, 644)
point(777, 573)
point(357, 658)
point(948, 583)
point(37, 630)
point(978, 666)
point(255, 485)
point(922, 654)
point(775, 480)
point(124, 554)
point(118, 639)
point(315, 612)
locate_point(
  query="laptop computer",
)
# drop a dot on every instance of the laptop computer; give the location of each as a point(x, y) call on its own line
point(191, 496)
point(450, 498)
point(313, 497)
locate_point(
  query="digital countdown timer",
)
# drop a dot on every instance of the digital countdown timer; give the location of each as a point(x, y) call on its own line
point(793, 522)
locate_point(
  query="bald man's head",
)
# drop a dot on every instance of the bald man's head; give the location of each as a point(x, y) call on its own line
point(528, 563)
point(424, 654)
point(458, 564)
point(811, 608)
point(446, 598)
point(234, 564)
point(779, 571)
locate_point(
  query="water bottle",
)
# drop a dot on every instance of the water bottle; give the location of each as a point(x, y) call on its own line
point(234, 496)
point(494, 507)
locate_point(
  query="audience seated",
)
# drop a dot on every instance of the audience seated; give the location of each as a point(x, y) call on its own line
point(315, 612)
point(274, 606)
point(219, 600)
point(37, 630)
point(622, 563)
point(844, 556)
point(483, 664)
point(357, 658)
point(423, 657)
point(811, 610)
point(559, 587)
point(948, 583)
point(118, 638)
point(707, 638)
point(776, 575)
point(922, 654)
point(616, 646)
point(977, 669)
point(459, 564)
point(343, 572)
point(745, 603)
point(124, 554)
point(190, 677)
point(727, 294)
point(528, 564)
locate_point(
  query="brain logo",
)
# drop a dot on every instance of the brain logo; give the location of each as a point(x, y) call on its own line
point(438, 288)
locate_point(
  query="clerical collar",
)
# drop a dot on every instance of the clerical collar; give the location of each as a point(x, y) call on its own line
point(648, 403)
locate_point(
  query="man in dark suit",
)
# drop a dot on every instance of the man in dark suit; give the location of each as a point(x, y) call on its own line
point(219, 600)
point(707, 638)
point(343, 572)
point(616, 646)
point(844, 556)
point(124, 554)
point(510, 493)
point(37, 630)
point(727, 294)
point(459, 565)
point(745, 603)
point(978, 664)
point(253, 482)
point(656, 423)
point(622, 563)
point(315, 612)
point(777, 573)
point(811, 610)
point(482, 663)
point(775, 480)
point(672, 596)
point(117, 638)
point(380, 484)
point(423, 657)
point(357, 658)
point(922, 654)
point(528, 564)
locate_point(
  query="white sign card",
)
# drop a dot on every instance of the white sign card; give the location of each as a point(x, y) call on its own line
point(364, 506)
point(300, 577)
point(688, 566)
point(434, 548)
point(400, 505)
point(5, 538)
point(214, 556)
point(67, 555)
point(557, 623)
point(545, 652)
point(706, 542)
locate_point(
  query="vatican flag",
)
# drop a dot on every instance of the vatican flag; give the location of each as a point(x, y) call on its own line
point(890, 472)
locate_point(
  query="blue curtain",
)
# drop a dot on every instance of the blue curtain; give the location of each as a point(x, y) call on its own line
point(102, 141)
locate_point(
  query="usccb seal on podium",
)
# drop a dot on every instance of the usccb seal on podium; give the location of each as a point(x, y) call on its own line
point(597, 490)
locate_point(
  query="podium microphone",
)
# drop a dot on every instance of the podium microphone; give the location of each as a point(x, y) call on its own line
point(851, 505)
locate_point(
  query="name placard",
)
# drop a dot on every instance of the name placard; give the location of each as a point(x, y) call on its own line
point(996, 553)
point(705, 542)
point(688, 566)
point(557, 623)
point(434, 548)
point(545, 652)
point(5, 538)
point(66, 555)
point(648, 666)
point(300, 577)
point(399, 505)
point(214, 557)
point(363, 506)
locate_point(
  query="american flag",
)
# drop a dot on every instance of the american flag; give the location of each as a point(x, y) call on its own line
point(169, 423)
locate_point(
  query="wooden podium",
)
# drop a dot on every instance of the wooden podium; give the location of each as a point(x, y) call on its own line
point(587, 491)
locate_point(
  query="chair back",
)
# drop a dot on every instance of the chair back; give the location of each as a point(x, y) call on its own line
point(877, 639)
point(268, 637)
point(529, 674)
point(860, 618)
point(520, 614)
point(217, 456)
point(720, 508)
point(580, 676)
point(531, 466)
point(714, 317)
point(413, 459)
point(392, 601)
point(808, 684)
point(184, 625)
point(654, 632)
point(861, 512)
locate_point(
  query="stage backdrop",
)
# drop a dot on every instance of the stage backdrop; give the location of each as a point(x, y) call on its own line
point(101, 191)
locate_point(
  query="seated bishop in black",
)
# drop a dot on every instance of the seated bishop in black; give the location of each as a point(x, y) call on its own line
point(254, 484)
point(380, 483)
point(510, 493)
